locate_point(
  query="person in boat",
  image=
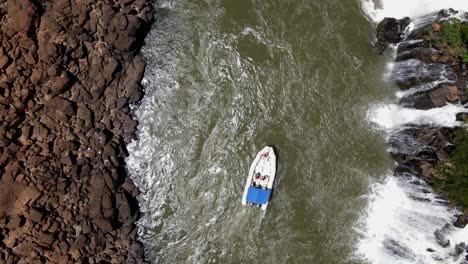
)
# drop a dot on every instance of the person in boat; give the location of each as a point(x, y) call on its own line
point(257, 175)
point(263, 177)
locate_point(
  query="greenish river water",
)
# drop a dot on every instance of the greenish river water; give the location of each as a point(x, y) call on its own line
point(225, 78)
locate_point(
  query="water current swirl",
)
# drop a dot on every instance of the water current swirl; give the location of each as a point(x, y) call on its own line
point(225, 78)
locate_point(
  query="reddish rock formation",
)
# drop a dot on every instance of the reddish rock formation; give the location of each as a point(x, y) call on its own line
point(69, 70)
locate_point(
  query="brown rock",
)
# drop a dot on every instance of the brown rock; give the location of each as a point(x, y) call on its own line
point(435, 57)
point(84, 114)
point(444, 59)
point(436, 27)
point(427, 169)
point(123, 42)
point(27, 194)
point(14, 222)
point(61, 105)
point(8, 196)
point(123, 207)
point(23, 12)
point(59, 171)
point(67, 160)
point(453, 98)
point(438, 96)
point(104, 224)
point(452, 89)
point(25, 133)
point(39, 132)
point(461, 221)
point(46, 240)
point(35, 215)
point(80, 242)
point(106, 200)
point(60, 83)
point(4, 60)
point(128, 185)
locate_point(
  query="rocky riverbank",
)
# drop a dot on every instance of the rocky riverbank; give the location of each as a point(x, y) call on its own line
point(431, 72)
point(70, 70)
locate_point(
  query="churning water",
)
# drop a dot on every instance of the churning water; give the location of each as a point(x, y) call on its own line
point(225, 78)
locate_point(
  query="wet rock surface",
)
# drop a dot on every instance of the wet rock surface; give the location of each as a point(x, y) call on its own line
point(69, 72)
point(429, 77)
point(390, 31)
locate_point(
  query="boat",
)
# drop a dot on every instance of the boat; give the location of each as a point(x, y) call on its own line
point(260, 180)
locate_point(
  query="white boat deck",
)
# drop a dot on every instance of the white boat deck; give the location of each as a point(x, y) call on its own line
point(264, 166)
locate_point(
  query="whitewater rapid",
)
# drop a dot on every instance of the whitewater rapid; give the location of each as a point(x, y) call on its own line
point(378, 10)
point(403, 213)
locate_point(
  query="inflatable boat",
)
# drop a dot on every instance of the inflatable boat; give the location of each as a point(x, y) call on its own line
point(260, 180)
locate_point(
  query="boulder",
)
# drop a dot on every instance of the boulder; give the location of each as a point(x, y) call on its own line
point(391, 31)
point(441, 236)
point(80, 242)
point(60, 83)
point(23, 12)
point(436, 27)
point(61, 105)
point(123, 206)
point(39, 132)
point(104, 224)
point(462, 221)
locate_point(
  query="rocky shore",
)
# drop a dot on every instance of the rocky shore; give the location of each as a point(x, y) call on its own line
point(70, 71)
point(431, 73)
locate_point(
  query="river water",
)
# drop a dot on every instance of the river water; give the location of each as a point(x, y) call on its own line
point(225, 78)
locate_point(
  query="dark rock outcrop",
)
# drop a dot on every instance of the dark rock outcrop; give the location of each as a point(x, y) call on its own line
point(390, 31)
point(69, 71)
point(462, 221)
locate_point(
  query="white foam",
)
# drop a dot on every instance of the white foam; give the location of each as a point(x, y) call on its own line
point(379, 9)
point(392, 117)
point(400, 222)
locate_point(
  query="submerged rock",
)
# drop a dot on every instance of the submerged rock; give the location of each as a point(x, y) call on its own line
point(440, 236)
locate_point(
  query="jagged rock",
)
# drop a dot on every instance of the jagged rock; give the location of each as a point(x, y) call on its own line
point(436, 27)
point(39, 132)
point(60, 83)
point(61, 105)
point(440, 236)
point(4, 60)
point(123, 207)
point(129, 186)
point(390, 31)
point(35, 215)
point(70, 70)
point(23, 12)
point(461, 221)
point(459, 249)
point(80, 242)
point(104, 224)
point(46, 240)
